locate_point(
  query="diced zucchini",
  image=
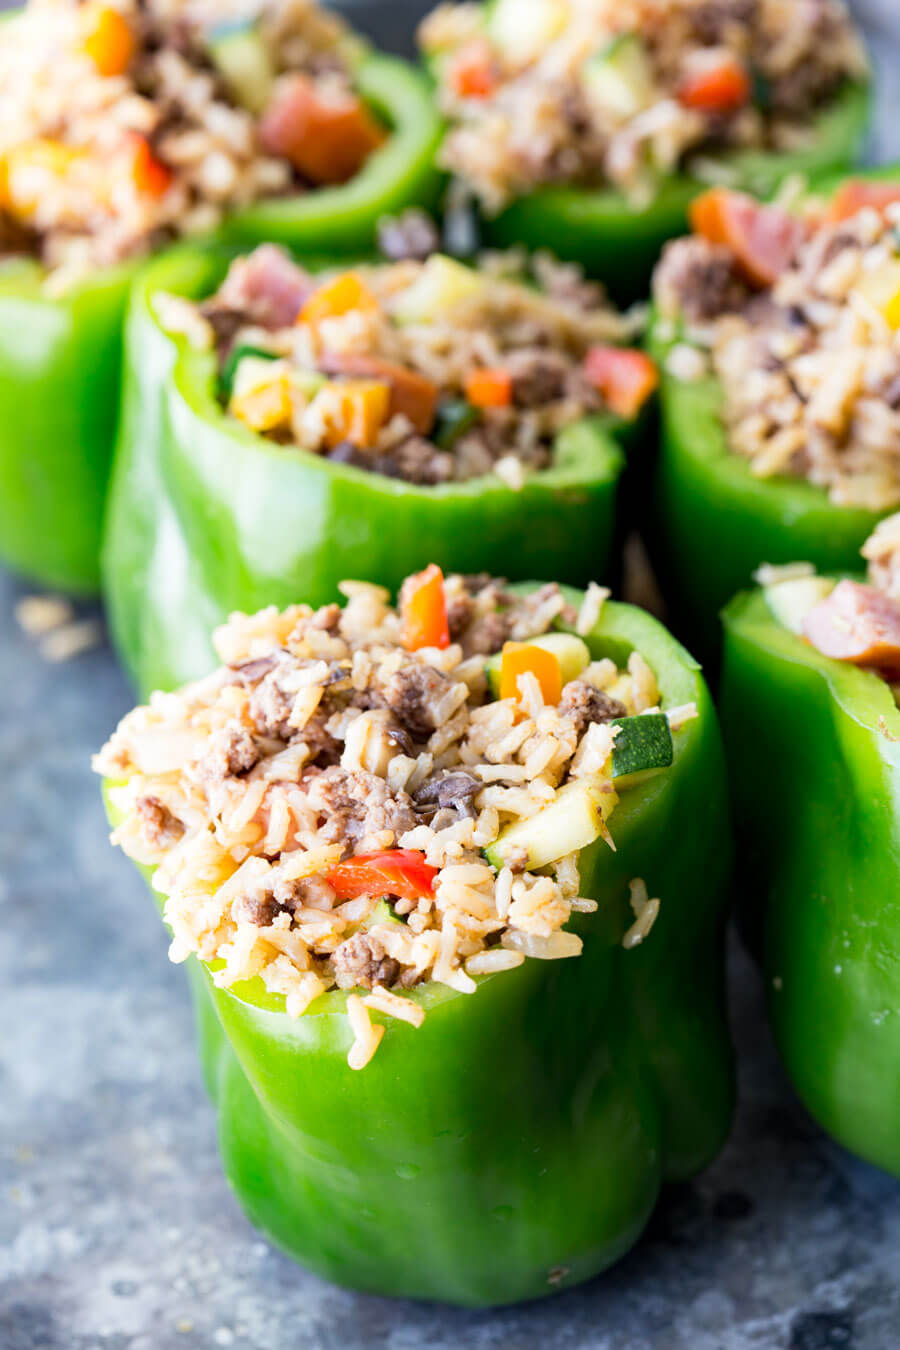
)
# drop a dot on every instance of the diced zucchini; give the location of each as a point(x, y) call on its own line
point(572, 654)
point(382, 912)
point(442, 283)
point(234, 359)
point(239, 53)
point(791, 601)
point(570, 822)
point(455, 416)
point(522, 31)
point(619, 80)
point(643, 747)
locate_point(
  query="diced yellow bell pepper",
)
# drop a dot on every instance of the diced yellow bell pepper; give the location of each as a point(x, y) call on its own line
point(354, 410)
point(261, 398)
point(29, 169)
point(881, 288)
point(107, 38)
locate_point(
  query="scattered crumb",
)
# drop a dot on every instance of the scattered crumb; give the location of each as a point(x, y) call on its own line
point(885, 729)
point(53, 621)
point(71, 640)
point(40, 614)
point(557, 1274)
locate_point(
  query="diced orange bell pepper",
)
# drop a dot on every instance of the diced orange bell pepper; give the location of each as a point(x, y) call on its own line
point(722, 88)
point(340, 296)
point(763, 239)
point(326, 139)
point(423, 610)
point(520, 658)
point(854, 196)
point(623, 376)
point(150, 176)
point(355, 411)
point(413, 396)
point(473, 74)
point(489, 388)
point(107, 38)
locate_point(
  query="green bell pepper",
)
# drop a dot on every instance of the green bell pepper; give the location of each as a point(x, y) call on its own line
point(515, 1144)
point(714, 522)
point(60, 358)
point(621, 244)
point(814, 749)
point(206, 517)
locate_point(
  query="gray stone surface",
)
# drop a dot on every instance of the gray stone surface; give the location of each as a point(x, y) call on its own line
point(117, 1230)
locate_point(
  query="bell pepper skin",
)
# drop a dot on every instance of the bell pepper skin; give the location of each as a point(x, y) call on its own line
point(714, 522)
point(60, 358)
point(205, 517)
point(60, 365)
point(814, 749)
point(514, 1144)
point(620, 244)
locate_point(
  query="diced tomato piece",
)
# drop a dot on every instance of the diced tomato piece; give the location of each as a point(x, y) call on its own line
point(342, 295)
point(763, 239)
point(489, 388)
point(624, 376)
point(721, 88)
point(412, 395)
point(106, 37)
point(858, 624)
point(326, 139)
point(473, 74)
point(520, 658)
point(149, 174)
point(854, 196)
point(423, 609)
point(401, 872)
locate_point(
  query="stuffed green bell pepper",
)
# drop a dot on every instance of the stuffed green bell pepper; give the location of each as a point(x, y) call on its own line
point(776, 338)
point(285, 428)
point(809, 707)
point(589, 129)
point(450, 876)
point(128, 126)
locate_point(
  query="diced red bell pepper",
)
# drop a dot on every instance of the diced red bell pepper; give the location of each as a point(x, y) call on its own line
point(624, 376)
point(489, 388)
point(423, 610)
point(326, 139)
point(474, 74)
point(721, 88)
point(401, 872)
point(150, 176)
point(763, 239)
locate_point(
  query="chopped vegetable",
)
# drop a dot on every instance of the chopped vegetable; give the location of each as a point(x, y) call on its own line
point(619, 80)
point(791, 601)
point(412, 395)
point(624, 376)
point(423, 610)
point(489, 388)
point(354, 410)
point(261, 397)
point(149, 175)
point(853, 196)
point(342, 295)
point(881, 288)
point(442, 284)
point(763, 239)
point(720, 88)
point(454, 418)
point(643, 748)
point(26, 169)
point(520, 658)
point(572, 821)
point(402, 872)
point(522, 32)
point(572, 654)
point(858, 624)
point(240, 55)
point(234, 359)
point(326, 140)
point(106, 38)
point(473, 73)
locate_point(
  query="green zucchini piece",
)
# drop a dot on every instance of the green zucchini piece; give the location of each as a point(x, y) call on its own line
point(643, 747)
point(791, 601)
point(242, 59)
point(619, 80)
point(574, 819)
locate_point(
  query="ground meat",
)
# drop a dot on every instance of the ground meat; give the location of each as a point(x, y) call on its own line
point(270, 708)
point(232, 752)
point(361, 961)
point(266, 288)
point(411, 694)
point(355, 803)
point(258, 909)
point(249, 672)
point(448, 791)
point(538, 376)
point(413, 235)
point(700, 279)
point(713, 22)
point(459, 615)
point(585, 704)
point(486, 635)
point(345, 452)
point(309, 892)
point(159, 827)
point(416, 460)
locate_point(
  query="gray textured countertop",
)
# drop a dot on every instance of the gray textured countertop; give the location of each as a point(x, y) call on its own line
point(117, 1229)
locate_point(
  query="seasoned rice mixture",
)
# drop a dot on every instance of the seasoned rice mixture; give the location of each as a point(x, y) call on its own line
point(422, 368)
point(124, 123)
point(809, 365)
point(622, 92)
point(342, 803)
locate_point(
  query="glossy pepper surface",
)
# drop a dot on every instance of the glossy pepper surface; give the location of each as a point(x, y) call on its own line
point(714, 521)
point(206, 517)
point(60, 357)
point(814, 748)
point(516, 1142)
point(620, 243)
